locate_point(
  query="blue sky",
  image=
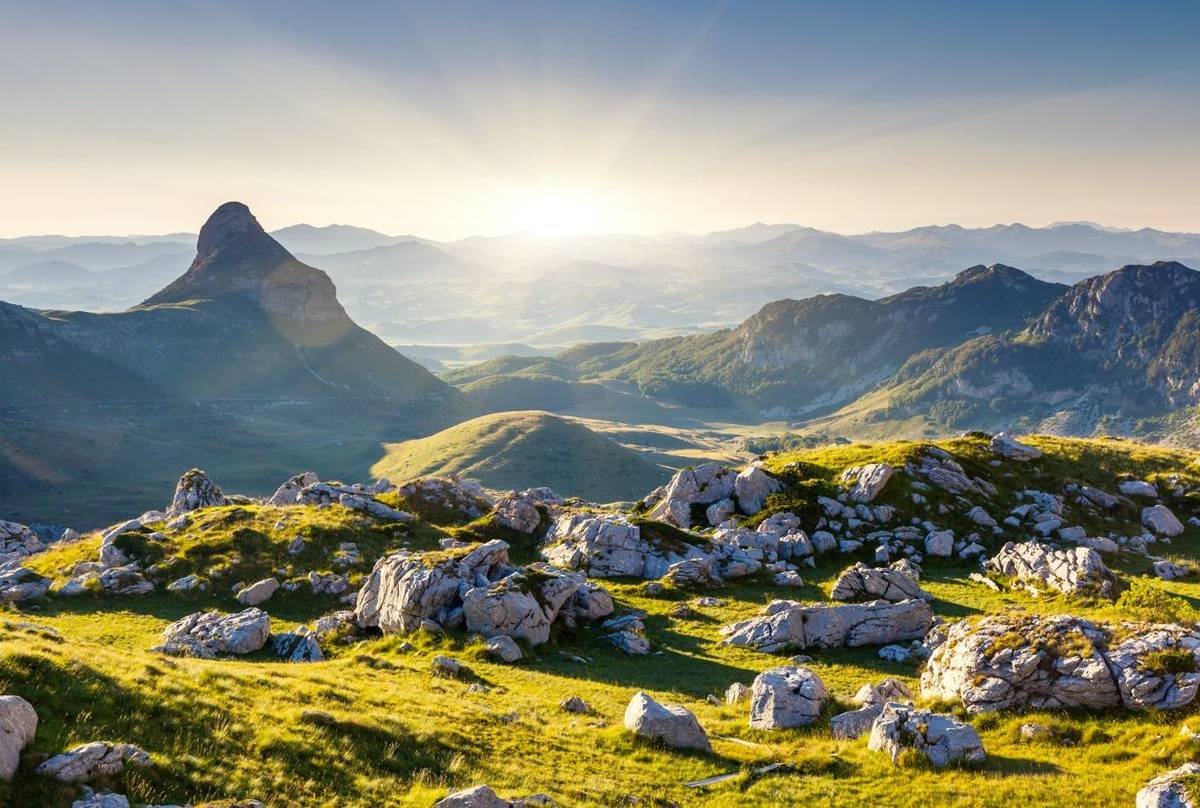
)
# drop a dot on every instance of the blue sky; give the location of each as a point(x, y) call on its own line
point(448, 119)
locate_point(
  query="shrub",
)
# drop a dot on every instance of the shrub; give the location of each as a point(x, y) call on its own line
point(1145, 601)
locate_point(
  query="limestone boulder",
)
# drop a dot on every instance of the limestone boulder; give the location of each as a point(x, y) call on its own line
point(1008, 446)
point(866, 482)
point(207, 635)
point(752, 486)
point(195, 490)
point(792, 625)
point(1169, 789)
point(787, 696)
point(300, 645)
point(941, 738)
point(1138, 488)
point(518, 512)
point(477, 797)
point(861, 582)
point(700, 485)
point(258, 593)
point(671, 724)
point(19, 584)
point(18, 725)
point(1074, 571)
point(1160, 519)
point(92, 760)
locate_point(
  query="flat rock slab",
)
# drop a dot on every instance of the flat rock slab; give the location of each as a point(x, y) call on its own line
point(788, 625)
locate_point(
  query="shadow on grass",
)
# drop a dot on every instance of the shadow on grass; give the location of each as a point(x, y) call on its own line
point(1018, 767)
point(290, 606)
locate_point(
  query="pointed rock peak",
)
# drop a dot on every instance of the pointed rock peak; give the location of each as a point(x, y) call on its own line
point(236, 258)
point(229, 223)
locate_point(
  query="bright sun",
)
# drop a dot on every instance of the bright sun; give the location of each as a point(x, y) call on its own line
point(554, 213)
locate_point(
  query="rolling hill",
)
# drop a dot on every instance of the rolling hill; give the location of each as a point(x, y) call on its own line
point(520, 449)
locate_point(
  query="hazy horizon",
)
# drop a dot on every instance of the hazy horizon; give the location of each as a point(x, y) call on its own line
point(468, 119)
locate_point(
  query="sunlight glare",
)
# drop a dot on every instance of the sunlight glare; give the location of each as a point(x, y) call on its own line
point(552, 213)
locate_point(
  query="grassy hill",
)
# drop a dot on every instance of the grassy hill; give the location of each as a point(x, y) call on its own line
point(370, 726)
point(522, 449)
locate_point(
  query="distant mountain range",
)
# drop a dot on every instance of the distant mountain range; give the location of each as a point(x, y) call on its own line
point(993, 348)
point(247, 352)
point(478, 290)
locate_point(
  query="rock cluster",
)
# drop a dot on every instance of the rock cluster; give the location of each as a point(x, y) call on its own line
point(606, 546)
point(289, 492)
point(1062, 661)
point(1077, 571)
point(463, 499)
point(17, 541)
point(476, 587)
point(871, 700)
point(788, 624)
point(356, 497)
point(207, 635)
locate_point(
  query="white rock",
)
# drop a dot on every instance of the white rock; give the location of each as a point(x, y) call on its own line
point(194, 491)
point(701, 485)
point(1161, 520)
point(1138, 488)
point(477, 797)
point(752, 487)
point(672, 724)
point(18, 725)
point(940, 543)
point(259, 592)
point(1006, 445)
point(91, 760)
point(942, 739)
point(209, 634)
point(1169, 789)
point(866, 482)
point(787, 696)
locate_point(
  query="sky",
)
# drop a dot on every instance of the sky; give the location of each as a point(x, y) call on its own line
point(449, 119)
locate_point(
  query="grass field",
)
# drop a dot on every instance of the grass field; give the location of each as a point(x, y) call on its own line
point(372, 727)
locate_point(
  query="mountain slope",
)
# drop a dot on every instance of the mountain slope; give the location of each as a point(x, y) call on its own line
point(1113, 353)
point(249, 338)
point(796, 357)
point(522, 449)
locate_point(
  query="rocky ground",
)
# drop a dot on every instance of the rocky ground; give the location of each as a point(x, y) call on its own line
point(980, 621)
